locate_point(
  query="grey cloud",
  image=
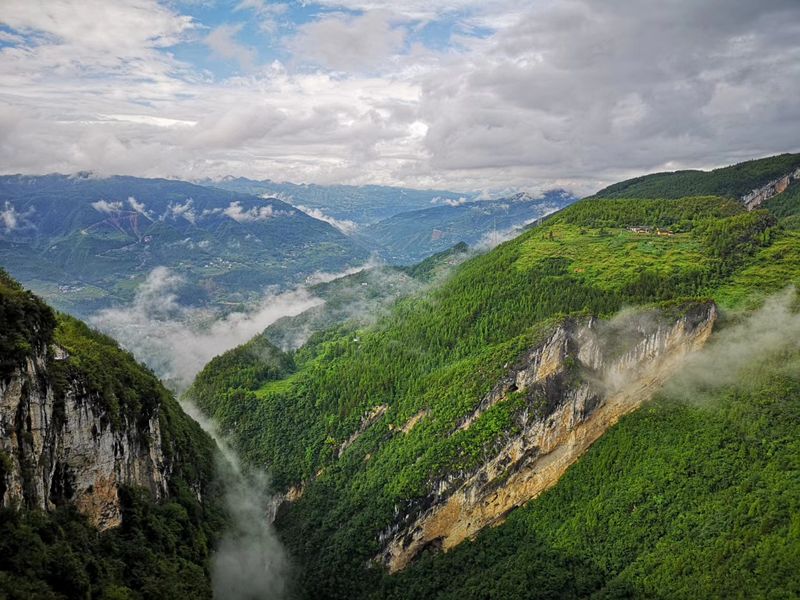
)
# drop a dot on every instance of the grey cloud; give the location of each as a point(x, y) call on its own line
point(571, 94)
point(343, 42)
point(577, 86)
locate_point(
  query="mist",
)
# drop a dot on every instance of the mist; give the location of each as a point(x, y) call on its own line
point(177, 341)
point(744, 342)
point(249, 562)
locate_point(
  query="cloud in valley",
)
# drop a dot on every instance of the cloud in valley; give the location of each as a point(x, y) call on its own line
point(177, 341)
point(106, 207)
point(344, 225)
point(256, 213)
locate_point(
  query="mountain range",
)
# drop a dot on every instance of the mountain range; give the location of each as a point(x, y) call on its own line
point(604, 406)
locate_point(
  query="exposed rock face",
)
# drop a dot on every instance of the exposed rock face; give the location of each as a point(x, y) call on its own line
point(577, 384)
point(760, 195)
point(65, 450)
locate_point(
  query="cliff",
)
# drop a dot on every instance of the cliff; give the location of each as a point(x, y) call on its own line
point(62, 445)
point(577, 384)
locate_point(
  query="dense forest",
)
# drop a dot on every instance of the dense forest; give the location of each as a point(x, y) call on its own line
point(435, 355)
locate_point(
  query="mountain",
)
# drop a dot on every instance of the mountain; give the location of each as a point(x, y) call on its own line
point(360, 205)
point(84, 242)
point(107, 489)
point(411, 236)
point(605, 406)
point(732, 182)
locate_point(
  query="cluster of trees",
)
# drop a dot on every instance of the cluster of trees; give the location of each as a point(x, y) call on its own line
point(680, 500)
point(27, 324)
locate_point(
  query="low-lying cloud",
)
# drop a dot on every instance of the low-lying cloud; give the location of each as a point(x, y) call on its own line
point(344, 225)
point(249, 561)
point(256, 213)
point(182, 209)
point(106, 207)
point(12, 219)
point(177, 341)
point(766, 332)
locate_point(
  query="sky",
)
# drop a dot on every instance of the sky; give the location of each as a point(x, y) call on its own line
point(467, 95)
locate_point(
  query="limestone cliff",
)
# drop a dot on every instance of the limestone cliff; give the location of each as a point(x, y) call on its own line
point(59, 444)
point(577, 384)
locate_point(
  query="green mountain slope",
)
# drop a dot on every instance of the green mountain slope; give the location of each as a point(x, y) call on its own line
point(366, 432)
point(731, 182)
point(159, 549)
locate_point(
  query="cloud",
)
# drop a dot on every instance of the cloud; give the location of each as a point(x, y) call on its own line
point(249, 561)
point(767, 332)
point(571, 94)
point(222, 41)
point(139, 207)
point(601, 90)
point(266, 11)
point(255, 213)
point(346, 42)
point(344, 225)
point(175, 340)
point(185, 210)
point(11, 219)
point(450, 201)
point(64, 37)
point(106, 207)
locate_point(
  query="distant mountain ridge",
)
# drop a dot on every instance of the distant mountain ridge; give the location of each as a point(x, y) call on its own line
point(411, 236)
point(361, 204)
point(83, 242)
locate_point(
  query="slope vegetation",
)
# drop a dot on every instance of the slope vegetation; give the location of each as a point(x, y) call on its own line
point(89, 440)
point(372, 430)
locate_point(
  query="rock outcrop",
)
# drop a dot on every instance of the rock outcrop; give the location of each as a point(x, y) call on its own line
point(758, 196)
point(577, 384)
point(63, 447)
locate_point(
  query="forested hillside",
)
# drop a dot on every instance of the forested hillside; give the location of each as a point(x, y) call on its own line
point(366, 429)
point(160, 549)
point(732, 182)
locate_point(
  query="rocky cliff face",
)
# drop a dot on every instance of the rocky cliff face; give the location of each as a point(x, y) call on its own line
point(577, 384)
point(63, 447)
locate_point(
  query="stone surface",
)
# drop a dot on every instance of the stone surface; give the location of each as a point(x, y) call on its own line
point(65, 450)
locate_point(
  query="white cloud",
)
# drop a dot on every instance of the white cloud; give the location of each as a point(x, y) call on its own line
point(571, 94)
point(449, 201)
point(12, 219)
point(256, 213)
point(184, 210)
point(266, 11)
point(346, 42)
point(177, 341)
point(139, 207)
point(106, 207)
point(344, 225)
point(223, 43)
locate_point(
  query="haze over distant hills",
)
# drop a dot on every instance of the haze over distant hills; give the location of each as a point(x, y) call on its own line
point(411, 236)
point(85, 242)
point(360, 205)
